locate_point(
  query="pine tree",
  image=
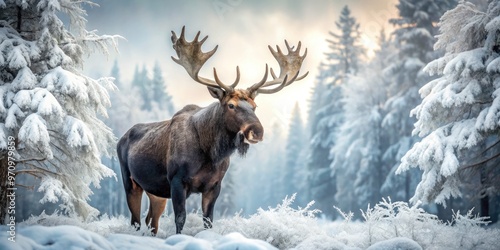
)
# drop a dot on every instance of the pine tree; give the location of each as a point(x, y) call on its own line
point(145, 89)
point(135, 80)
point(110, 198)
point(294, 174)
point(226, 203)
point(159, 91)
point(343, 60)
point(361, 140)
point(321, 187)
point(414, 39)
point(153, 92)
point(48, 106)
point(346, 52)
point(458, 116)
point(115, 73)
point(273, 167)
point(141, 84)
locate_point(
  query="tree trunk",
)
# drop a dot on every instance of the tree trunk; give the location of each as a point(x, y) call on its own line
point(4, 168)
point(485, 199)
point(485, 206)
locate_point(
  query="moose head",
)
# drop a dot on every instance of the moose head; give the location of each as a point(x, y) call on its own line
point(239, 104)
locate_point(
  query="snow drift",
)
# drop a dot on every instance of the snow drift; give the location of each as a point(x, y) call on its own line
point(388, 225)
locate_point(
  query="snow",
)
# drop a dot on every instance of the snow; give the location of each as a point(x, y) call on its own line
point(388, 225)
point(13, 115)
point(73, 237)
point(60, 237)
point(52, 189)
point(34, 133)
point(23, 98)
point(17, 58)
point(77, 133)
point(25, 79)
point(399, 243)
point(46, 104)
point(494, 66)
point(67, 83)
point(3, 137)
point(471, 60)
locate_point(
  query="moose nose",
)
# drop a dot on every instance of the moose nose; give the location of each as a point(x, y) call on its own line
point(253, 133)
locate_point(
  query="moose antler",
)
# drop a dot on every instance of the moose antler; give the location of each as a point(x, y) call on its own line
point(192, 59)
point(289, 69)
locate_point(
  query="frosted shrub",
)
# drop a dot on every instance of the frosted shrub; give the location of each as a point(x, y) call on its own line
point(396, 219)
point(389, 220)
point(283, 226)
point(468, 233)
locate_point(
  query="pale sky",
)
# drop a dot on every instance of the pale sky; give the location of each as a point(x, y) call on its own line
point(242, 29)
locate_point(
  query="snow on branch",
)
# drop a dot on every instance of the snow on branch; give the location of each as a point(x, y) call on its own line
point(460, 109)
point(51, 108)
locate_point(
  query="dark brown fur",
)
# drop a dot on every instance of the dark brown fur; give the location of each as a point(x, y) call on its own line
point(187, 154)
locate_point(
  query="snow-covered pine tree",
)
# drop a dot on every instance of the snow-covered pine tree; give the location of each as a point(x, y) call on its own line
point(110, 198)
point(145, 89)
point(226, 203)
point(342, 61)
point(122, 103)
point(272, 191)
point(361, 139)
point(345, 51)
point(141, 84)
point(321, 187)
point(48, 105)
point(115, 73)
point(159, 89)
point(294, 172)
point(136, 83)
point(460, 110)
point(414, 38)
point(152, 92)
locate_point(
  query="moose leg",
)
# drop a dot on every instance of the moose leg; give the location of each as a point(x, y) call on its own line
point(179, 202)
point(134, 196)
point(208, 203)
point(156, 207)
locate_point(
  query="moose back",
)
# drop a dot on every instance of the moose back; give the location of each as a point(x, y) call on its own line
point(190, 153)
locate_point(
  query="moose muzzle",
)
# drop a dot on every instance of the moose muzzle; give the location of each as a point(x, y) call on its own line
point(253, 133)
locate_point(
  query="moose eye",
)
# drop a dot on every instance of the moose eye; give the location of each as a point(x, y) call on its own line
point(231, 106)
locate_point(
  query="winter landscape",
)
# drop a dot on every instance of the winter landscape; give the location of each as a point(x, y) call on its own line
point(390, 141)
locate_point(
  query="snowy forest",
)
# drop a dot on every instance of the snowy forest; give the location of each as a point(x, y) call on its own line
point(411, 126)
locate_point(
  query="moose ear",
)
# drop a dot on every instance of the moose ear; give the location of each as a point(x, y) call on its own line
point(216, 92)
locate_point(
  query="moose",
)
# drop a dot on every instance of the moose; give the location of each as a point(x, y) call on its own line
point(190, 152)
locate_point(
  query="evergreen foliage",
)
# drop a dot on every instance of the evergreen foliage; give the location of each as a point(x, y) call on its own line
point(48, 105)
point(458, 117)
point(342, 60)
point(414, 38)
point(360, 143)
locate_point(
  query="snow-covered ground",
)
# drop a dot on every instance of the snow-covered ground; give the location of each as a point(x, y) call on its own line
point(389, 225)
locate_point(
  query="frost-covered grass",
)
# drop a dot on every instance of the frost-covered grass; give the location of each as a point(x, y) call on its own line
point(386, 226)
